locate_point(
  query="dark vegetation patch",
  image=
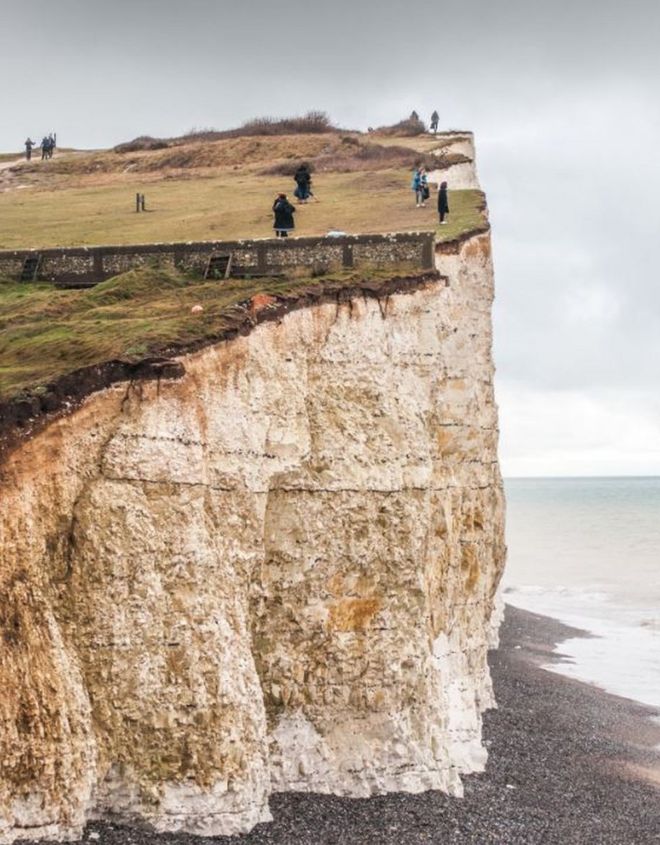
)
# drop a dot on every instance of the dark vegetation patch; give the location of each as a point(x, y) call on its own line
point(355, 156)
point(408, 128)
point(142, 144)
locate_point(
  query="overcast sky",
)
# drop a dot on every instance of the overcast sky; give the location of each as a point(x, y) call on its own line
point(563, 98)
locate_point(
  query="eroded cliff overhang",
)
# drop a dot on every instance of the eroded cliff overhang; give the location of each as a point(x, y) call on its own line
point(273, 571)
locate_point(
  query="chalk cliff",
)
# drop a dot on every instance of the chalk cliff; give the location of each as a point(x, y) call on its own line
point(276, 572)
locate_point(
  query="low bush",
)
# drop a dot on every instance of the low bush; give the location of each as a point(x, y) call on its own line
point(144, 142)
point(408, 128)
point(312, 123)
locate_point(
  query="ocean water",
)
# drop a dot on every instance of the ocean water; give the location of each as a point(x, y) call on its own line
point(587, 552)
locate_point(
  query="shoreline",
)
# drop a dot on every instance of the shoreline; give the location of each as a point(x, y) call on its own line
point(568, 763)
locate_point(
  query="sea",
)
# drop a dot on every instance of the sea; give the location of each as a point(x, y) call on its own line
point(586, 551)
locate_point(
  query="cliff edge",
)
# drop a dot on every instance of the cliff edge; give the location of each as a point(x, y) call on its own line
point(275, 571)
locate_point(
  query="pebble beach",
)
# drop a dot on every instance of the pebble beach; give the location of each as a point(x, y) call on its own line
point(568, 765)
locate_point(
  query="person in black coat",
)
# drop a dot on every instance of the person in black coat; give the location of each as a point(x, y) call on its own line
point(303, 179)
point(443, 202)
point(283, 211)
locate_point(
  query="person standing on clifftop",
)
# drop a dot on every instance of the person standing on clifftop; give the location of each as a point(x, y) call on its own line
point(303, 179)
point(443, 202)
point(420, 185)
point(435, 119)
point(28, 148)
point(283, 211)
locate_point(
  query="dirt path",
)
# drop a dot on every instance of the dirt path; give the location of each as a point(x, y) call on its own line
point(6, 165)
point(12, 171)
point(21, 161)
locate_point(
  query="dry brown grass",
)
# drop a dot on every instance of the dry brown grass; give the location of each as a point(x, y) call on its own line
point(312, 123)
point(348, 153)
point(230, 152)
point(354, 156)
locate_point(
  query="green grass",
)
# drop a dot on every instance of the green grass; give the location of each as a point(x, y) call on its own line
point(45, 332)
point(227, 206)
point(88, 198)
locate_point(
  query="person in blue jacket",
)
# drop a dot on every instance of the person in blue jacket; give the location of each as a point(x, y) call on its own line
point(420, 185)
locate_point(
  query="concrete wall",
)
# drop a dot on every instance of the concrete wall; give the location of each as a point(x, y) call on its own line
point(80, 266)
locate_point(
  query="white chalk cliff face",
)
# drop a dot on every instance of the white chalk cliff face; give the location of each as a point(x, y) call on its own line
point(275, 573)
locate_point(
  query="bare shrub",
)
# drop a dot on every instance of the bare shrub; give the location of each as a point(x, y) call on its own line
point(314, 122)
point(404, 128)
point(144, 142)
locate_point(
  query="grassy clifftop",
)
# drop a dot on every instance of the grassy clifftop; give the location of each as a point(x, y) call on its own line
point(225, 207)
point(202, 190)
point(223, 190)
point(46, 333)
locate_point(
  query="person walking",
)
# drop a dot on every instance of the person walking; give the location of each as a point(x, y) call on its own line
point(44, 148)
point(435, 120)
point(443, 202)
point(420, 185)
point(303, 180)
point(29, 143)
point(283, 211)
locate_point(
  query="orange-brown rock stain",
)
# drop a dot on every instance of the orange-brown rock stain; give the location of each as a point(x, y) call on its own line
point(261, 301)
point(353, 614)
point(470, 567)
point(477, 247)
point(447, 442)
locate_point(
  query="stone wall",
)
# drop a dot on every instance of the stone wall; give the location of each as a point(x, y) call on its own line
point(82, 266)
